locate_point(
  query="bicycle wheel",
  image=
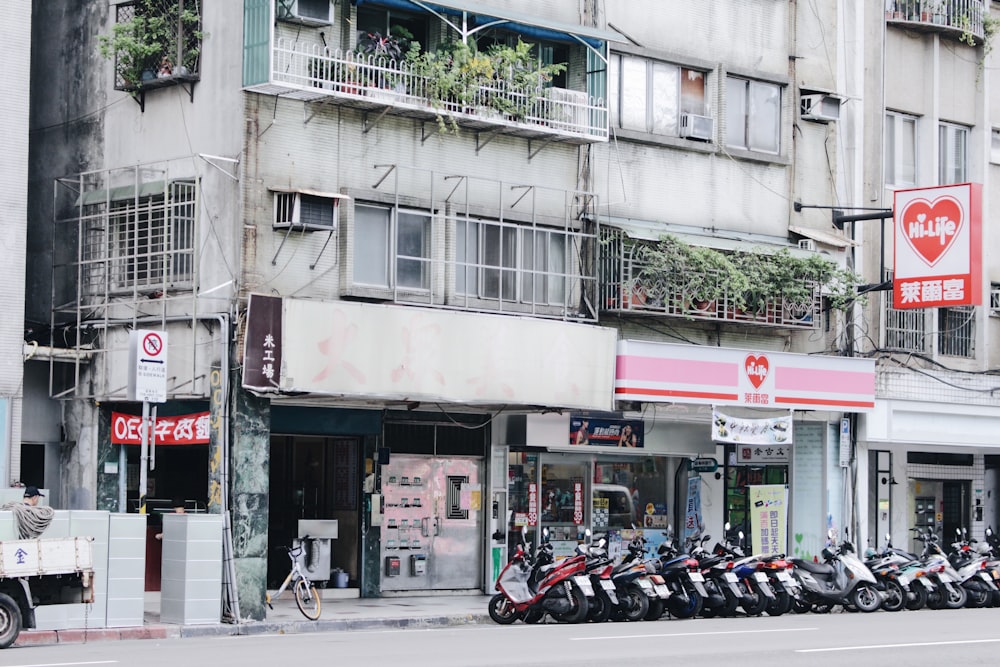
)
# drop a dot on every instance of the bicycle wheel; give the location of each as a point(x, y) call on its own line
point(307, 598)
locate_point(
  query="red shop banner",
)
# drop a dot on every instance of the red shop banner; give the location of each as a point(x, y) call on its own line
point(190, 429)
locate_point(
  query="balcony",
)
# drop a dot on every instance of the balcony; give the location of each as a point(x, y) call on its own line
point(963, 19)
point(704, 284)
point(317, 74)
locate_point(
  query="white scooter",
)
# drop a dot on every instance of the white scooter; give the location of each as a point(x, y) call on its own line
point(842, 579)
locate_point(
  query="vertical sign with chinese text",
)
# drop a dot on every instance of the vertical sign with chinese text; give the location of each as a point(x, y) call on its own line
point(692, 513)
point(937, 247)
point(262, 343)
point(767, 518)
point(532, 504)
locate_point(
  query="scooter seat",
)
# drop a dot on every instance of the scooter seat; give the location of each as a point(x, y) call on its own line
point(815, 568)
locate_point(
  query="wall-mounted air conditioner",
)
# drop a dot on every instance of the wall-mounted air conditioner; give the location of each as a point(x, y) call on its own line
point(308, 12)
point(306, 210)
point(819, 107)
point(697, 127)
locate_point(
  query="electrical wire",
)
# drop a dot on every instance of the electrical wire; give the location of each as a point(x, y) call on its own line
point(31, 520)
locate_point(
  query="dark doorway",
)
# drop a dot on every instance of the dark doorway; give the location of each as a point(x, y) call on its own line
point(33, 465)
point(314, 477)
point(957, 508)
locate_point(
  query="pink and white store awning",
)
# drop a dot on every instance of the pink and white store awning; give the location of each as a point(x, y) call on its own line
point(670, 373)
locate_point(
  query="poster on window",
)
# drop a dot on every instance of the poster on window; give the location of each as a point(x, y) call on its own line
point(601, 432)
point(768, 518)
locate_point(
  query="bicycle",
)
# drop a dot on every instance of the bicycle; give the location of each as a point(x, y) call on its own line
point(306, 596)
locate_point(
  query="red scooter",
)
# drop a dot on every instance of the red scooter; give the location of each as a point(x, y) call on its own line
point(530, 588)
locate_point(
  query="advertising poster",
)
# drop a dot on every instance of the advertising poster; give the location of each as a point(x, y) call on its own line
point(768, 518)
point(692, 513)
point(771, 431)
point(601, 432)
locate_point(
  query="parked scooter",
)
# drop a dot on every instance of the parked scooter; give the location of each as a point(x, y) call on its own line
point(901, 577)
point(948, 591)
point(971, 568)
point(530, 587)
point(683, 578)
point(841, 579)
point(599, 566)
point(754, 581)
point(631, 584)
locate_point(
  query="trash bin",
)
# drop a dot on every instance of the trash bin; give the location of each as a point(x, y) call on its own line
point(340, 578)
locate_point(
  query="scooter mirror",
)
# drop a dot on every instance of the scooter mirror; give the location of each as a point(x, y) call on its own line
point(832, 534)
point(727, 527)
point(887, 538)
point(989, 532)
point(706, 539)
point(741, 535)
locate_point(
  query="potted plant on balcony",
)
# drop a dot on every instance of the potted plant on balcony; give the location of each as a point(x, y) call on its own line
point(151, 35)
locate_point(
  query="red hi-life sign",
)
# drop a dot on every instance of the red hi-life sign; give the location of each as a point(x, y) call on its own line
point(938, 247)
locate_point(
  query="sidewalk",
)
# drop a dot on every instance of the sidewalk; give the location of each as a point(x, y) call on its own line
point(342, 609)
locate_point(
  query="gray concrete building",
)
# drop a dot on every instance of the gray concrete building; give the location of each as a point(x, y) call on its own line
point(405, 265)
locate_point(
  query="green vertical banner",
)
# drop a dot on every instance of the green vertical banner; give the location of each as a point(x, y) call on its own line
point(768, 518)
point(497, 562)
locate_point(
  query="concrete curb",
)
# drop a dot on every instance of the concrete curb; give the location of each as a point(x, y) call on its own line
point(166, 631)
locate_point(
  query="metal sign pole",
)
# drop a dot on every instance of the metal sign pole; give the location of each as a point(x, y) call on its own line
point(144, 457)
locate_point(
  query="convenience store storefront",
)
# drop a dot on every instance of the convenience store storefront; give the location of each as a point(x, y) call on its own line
point(773, 418)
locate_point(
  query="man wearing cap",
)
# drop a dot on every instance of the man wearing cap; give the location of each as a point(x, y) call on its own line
point(32, 494)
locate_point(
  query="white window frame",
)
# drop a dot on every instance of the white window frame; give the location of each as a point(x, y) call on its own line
point(953, 153)
point(660, 109)
point(393, 247)
point(744, 119)
point(498, 261)
point(901, 148)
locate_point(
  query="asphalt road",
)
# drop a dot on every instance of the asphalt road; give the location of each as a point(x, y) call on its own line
point(964, 636)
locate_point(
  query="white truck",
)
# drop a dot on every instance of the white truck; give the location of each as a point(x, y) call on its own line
point(50, 570)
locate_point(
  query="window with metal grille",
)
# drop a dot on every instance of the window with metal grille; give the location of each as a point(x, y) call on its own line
point(905, 329)
point(995, 299)
point(147, 240)
point(155, 41)
point(956, 331)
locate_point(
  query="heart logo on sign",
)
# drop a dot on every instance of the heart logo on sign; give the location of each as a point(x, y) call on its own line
point(931, 228)
point(756, 368)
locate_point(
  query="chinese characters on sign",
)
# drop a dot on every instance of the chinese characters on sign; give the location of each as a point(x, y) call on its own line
point(578, 503)
point(692, 512)
point(532, 504)
point(762, 454)
point(599, 432)
point(938, 246)
point(768, 518)
point(262, 344)
point(771, 431)
point(191, 429)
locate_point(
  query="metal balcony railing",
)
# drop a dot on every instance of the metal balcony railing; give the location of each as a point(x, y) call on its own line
point(962, 17)
point(624, 291)
point(314, 72)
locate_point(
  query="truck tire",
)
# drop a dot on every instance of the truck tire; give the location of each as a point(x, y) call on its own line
point(10, 620)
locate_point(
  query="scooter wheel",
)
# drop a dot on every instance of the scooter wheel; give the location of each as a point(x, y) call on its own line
point(502, 610)
point(895, 596)
point(977, 598)
point(957, 598)
point(866, 598)
point(801, 606)
point(656, 609)
point(690, 607)
point(916, 599)
point(757, 602)
point(781, 603)
point(578, 607)
point(635, 604)
point(600, 608)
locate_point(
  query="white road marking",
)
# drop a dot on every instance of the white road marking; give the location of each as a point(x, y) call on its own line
point(908, 645)
point(695, 634)
point(68, 664)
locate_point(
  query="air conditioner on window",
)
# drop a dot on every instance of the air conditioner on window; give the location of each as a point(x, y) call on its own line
point(820, 108)
point(697, 127)
point(305, 212)
point(307, 12)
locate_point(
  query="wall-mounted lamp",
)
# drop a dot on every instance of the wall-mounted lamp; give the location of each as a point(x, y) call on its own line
point(891, 481)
